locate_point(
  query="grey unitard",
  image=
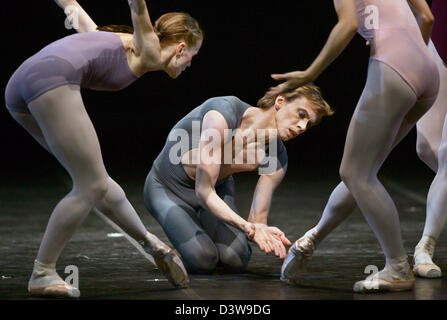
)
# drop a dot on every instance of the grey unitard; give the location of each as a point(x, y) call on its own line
point(199, 236)
point(203, 240)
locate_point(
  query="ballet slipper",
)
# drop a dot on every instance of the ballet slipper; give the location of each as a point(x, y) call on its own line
point(168, 261)
point(396, 276)
point(59, 290)
point(424, 266)
point(298, 256)
point(46, 282)
point(429, 271)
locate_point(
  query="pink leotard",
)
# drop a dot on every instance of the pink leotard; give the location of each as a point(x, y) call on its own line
point(396, 40)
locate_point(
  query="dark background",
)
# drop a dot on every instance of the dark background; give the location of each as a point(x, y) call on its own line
point(245, 42)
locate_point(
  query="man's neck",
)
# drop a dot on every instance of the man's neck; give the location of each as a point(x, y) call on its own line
point(260, 120)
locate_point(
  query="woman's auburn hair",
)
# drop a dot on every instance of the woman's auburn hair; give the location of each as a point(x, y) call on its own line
point(309, 91)
point(170, 28)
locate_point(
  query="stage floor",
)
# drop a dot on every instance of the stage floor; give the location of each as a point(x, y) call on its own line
point(111, 268)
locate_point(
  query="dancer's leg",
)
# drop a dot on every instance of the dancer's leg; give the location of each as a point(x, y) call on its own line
point(432, 135)
point(71, 138)
point(181, 225)
point(117, 207)
point(430, 126)
point(437, 196)
point(340, 205)
point(429, 132)
point(436, 217)
point(114, 204)
point(231, 243)
point(382, 108)
point(375, 124)
point(27, 121)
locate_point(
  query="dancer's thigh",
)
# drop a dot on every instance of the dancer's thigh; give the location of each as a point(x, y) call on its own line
point(382, 108)
point(70, 135)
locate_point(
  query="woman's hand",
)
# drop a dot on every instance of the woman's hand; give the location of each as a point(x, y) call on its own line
point(340, 36)
point(75, 12)
point(270, 239)
point(293, 80)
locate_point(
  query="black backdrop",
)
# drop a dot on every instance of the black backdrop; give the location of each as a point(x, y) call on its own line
point(245, 42)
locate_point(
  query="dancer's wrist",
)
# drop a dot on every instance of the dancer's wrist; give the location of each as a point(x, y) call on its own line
point(249, 230)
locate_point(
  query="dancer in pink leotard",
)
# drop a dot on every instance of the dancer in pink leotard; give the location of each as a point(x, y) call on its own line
point(431, 148)
point(400, 88)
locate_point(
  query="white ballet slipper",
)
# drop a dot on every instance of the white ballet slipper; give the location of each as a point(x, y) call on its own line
point(46, 282)
point(60, 290)
point(168, 261)
point(396, 276)
point(298, 256)
point(424, 266)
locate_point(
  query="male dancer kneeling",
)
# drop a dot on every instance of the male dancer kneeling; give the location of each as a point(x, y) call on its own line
point(190, 188)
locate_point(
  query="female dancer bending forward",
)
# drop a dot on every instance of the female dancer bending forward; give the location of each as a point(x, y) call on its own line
point(190, 188)
point(44, 97)
point(402, 84)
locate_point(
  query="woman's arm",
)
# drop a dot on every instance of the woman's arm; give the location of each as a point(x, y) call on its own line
point(147, 44)
point(260, 208)
point(339, 38)
point(208, 169)
point(427, 18)
point(83, 20)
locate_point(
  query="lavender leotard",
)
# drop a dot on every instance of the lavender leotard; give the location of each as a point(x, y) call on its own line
point(396, 40)
point(94, 60)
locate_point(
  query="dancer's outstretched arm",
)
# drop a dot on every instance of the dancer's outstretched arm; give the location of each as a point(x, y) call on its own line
point(261, 204)
point(211, 145)
point(339, 38)
point(85, 23)
point(426, 18)
point(147, 44)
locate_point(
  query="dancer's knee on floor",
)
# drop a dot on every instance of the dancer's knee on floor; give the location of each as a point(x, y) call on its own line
point(203, 260)
point(235, 258)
